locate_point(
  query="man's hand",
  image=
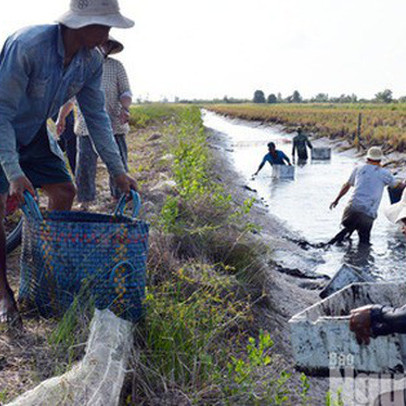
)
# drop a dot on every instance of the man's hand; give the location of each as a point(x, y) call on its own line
point(333, 205)
point(125, 183)
point(18, 187)
point(124, 116)
point(60, 126)
point(360, 324)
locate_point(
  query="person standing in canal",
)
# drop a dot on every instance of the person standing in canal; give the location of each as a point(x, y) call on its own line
point(368, 181)
point(300, 144)
point(274, 157)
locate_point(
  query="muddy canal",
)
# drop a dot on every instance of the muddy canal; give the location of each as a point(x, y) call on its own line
point(303, 203)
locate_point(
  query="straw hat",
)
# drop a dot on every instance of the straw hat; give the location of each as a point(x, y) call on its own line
point(396, 212)
point(89, 12)
point(375, 154)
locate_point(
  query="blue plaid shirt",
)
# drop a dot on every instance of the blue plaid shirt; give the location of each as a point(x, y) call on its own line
point(34, 84)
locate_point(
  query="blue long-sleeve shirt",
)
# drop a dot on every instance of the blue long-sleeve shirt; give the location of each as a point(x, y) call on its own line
point(34, 84)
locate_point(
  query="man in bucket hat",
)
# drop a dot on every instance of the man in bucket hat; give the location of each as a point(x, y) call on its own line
point(368, 181)
point(41, 68)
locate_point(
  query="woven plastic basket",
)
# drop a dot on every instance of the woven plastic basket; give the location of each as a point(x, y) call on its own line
point(84, 255)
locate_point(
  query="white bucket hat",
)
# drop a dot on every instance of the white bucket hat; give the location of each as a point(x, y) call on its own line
point(375, 154)
point(396, 212)
point(89, 12)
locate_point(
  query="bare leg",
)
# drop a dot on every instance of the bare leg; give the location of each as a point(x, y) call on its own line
point(8, 308)
point(60, 195)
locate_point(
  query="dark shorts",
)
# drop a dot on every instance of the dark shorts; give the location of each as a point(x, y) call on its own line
point(357, 221)
point(39, 164)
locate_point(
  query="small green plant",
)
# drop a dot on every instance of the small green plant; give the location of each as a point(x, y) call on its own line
point(305, 386)
point(169, 213)
point(66, 339)
point(338, 400)
point(244, 374)
point(3, 396)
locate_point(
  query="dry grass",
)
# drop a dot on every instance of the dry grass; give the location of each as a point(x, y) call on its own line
point(381, 124)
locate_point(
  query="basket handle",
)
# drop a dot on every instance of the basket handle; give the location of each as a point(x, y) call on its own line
point(30, 207)
point(121, 263)
point(119, 211)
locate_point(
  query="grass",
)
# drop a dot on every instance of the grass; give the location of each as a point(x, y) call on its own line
point(199, 343)
point(382, 124)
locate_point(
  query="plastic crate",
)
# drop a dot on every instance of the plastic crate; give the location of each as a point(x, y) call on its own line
point(321, 332)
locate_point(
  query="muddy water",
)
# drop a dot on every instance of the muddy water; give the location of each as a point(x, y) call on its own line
point(303, 203)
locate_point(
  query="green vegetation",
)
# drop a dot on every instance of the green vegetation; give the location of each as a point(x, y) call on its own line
point(199, 341)
point(381, 124)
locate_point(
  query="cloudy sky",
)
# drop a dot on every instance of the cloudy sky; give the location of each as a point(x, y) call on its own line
point(213, 48)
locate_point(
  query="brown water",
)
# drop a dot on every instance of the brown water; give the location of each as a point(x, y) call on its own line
point(303, 203)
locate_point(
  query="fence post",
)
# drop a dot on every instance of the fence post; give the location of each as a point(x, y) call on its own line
point(359, 131)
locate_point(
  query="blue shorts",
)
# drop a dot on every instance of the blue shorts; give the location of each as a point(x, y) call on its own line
point(39, 164)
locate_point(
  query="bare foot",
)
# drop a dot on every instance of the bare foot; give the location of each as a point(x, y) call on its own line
point(8, 311)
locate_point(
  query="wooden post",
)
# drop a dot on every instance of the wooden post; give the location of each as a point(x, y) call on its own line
point(359, 131)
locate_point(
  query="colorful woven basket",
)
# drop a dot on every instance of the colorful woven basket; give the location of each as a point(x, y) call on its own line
point(84, 255)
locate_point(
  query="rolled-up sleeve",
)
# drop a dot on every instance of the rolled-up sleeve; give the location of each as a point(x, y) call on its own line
point(91, 102)
point(14, 79)
point(387, 320)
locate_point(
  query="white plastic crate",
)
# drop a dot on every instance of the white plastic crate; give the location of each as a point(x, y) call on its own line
point(320, 333)
point(322, 154)
point(283, 171)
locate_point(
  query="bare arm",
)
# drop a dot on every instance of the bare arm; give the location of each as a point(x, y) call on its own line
point(345, 188)
point(125, 101)
point(259, 168)
point(63, 113)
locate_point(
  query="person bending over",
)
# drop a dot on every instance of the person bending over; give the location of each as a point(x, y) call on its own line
point(274, 157)
point(41, 68)
point(368, 181)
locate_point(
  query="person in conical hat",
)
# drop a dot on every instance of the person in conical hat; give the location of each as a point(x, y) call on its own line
point(41, 68)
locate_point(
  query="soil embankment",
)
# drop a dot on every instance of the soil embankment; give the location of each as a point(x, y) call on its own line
point(178, 261)
point(291, 286)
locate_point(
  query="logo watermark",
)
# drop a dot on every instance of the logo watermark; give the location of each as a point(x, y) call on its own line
point(348, 387)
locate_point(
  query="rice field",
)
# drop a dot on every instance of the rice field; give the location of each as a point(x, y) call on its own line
point(381, 124)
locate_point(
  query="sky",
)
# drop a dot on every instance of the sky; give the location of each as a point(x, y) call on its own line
point(214, 48)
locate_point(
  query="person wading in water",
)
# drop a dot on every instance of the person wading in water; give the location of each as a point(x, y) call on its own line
point(274, 157)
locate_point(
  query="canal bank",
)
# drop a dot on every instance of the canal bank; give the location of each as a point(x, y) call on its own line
point(297, 211)
point(302, 204)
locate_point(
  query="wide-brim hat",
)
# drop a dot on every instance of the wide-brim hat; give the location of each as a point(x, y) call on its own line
point(375, 154)
point(88, 12)
point(396, 212)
